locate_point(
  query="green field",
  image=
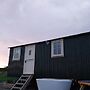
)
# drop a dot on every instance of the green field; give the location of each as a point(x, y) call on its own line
point(5, 78)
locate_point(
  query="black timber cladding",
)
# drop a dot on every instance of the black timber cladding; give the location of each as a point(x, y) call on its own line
point(74, 64)
point(15, 68)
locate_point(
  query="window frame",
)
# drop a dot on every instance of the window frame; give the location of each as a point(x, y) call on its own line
point(16, 50)
point(62, 48)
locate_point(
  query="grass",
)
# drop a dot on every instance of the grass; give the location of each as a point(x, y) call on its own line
point(5, 78)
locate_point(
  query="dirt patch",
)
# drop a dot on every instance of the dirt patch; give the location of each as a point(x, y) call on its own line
point(5, 86)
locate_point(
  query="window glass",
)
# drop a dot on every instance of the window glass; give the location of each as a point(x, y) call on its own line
point(57, 48)
point(16, 53)
point(29, 52)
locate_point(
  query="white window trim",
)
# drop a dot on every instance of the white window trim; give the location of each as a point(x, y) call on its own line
point(62, 49)
point(16, 59)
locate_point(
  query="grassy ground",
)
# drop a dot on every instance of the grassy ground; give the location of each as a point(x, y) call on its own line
point(4, 78)
point(7, 79)
point(6, 82)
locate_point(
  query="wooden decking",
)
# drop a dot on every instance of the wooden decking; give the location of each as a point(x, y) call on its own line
point(84, 84)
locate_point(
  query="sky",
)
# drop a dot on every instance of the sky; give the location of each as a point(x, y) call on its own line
point(26, 21)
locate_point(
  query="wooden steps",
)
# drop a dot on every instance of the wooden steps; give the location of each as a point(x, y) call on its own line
point(22, 82)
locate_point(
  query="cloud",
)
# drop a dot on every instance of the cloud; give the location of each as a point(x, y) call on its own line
point(3, 54)
point(51, 18)
point(25, 21)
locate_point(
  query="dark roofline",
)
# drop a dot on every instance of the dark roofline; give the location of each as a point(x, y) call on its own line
point(52, 39)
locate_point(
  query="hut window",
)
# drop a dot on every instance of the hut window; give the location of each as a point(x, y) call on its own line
point(16, 53)
point(57, 48)
point(29, 52)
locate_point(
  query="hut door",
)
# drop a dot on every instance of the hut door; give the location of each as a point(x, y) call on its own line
point(29, 59)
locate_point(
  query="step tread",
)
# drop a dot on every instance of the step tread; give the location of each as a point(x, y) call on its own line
point(23, 80)
point(16, 87)
point(25, 75)
point(19, 83)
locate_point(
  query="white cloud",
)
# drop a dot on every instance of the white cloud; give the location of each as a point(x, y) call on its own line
point(24, 21)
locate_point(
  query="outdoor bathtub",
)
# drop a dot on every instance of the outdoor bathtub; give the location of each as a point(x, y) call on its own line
point(54, 84)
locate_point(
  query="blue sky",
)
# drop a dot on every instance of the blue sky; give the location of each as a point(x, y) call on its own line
point(25, 21)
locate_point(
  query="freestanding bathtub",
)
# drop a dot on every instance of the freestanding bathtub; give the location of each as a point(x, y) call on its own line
point(54, 84)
